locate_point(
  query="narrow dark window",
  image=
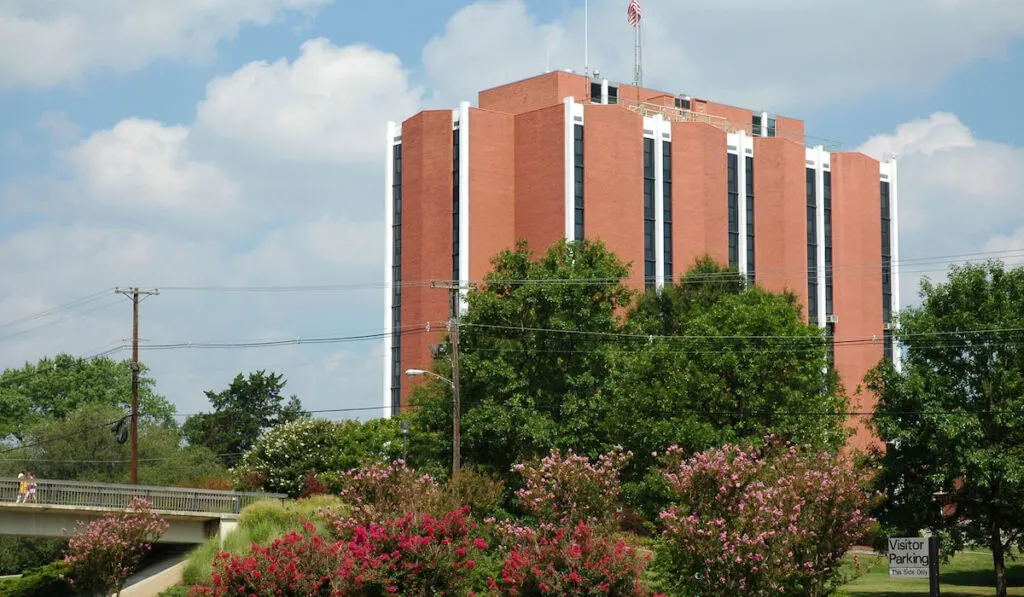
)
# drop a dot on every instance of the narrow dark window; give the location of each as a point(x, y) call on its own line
point(595, 93)
point(756, 125)
point(396, 282)
point(578, 181)
point(455, 217)
point(771, 128)
point(734, 220)
point(886, 268)
point(650, 261)
point(682, 103)
point(613, 94)
point(812, 246)
point(750, 220)
point(828, 242)
point(666, 187)
point(830, 330)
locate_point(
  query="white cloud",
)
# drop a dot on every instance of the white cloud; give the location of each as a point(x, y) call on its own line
point(958, 195)
point(54, 43)
point(144, 165)
point(329, 104)
point(777, 55)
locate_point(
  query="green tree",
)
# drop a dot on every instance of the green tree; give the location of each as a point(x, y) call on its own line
point(282, 457)
point(52, 388)
point(249, 406)
point(709, 361)
point(524, 388)
point(953, 418)
point(82, 447)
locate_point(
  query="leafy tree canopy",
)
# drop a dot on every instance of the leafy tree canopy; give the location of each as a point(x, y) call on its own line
point(249, 405)
point(953, 418)
point(52, 388)
point(555, 352)
point(82, 447)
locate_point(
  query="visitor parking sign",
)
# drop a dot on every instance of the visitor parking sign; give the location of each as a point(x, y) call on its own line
point(908, 557)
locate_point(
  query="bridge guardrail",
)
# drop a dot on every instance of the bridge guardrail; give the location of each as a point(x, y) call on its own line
point(116, 496)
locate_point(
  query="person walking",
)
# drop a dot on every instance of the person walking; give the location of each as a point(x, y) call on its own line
point(32, 489)
point(22, 489)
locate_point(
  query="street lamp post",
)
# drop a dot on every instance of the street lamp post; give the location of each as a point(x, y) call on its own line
point(456, 456)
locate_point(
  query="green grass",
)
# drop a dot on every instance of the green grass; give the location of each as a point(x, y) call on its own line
point(260, 523)
point(966, 575)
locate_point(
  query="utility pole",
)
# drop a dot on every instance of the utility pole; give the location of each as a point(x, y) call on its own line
point(453, 334)
point(134, 294)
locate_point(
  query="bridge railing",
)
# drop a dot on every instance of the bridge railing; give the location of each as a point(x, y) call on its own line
point(113, 496)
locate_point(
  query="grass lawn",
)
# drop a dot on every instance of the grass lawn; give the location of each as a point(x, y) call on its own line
point(966, 575)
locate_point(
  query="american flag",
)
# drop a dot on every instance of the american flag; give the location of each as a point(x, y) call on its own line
point(633, 13)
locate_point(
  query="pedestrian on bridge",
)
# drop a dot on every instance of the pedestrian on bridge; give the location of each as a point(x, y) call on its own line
point(22, 489)
point(32, 489)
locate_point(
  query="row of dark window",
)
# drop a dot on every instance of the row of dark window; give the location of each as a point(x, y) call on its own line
point(578, 182)
point(757, 126)
point(734, 216)
point(453, 306)
point(827, 206)
point(750, 219)
point(396, 281)
point(650, 260)
point(666, 188)
point(886, 268)
point(812, 246)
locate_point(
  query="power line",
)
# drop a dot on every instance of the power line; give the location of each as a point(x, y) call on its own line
point(69, 305)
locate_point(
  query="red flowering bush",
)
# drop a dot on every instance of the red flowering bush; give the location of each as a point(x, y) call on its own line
point(752, 522)
point(563, 490)
point(103, 553)
point(312, 485)
point(570, 564)
point(412, 555)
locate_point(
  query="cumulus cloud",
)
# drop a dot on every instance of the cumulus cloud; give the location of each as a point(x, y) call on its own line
point(144, 165)
point(328, 105)
point(776, 54)
point(958, 195)
point(54, 43)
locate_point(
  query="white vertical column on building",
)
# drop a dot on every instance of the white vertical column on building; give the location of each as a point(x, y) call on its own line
point(389, 251)
point(464, 213)
point(604, 91)
point(659, 200)
point(819, 193)
point(741, 198)
point(764, 124)
point(894, 240)
point(570, 171)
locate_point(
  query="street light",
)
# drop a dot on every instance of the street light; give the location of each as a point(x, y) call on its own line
point(456, 443)
point(419, 372)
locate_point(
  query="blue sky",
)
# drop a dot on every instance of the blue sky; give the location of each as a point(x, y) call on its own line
point(240, 142)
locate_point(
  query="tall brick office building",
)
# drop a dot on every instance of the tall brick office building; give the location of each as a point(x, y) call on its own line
point(661, 179)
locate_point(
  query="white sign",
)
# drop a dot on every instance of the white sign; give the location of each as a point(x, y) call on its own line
point(908, 557)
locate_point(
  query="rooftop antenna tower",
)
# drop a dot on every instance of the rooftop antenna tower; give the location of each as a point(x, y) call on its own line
point(586, 38)
point(633, 16)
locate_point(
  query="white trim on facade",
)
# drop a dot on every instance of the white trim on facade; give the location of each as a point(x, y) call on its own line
point(821, 159)
point(891, 169)
point(604, 91)
point(464, 207)
point(662, 132)
point(389, 200)
point(570, 194)
point(744, 144)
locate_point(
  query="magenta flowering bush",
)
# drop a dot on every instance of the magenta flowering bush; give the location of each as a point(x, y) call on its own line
point(570, 564)
point(103, 553)
point(759, 522)
point(411, 555)
point(566, 489)
point(384, 491)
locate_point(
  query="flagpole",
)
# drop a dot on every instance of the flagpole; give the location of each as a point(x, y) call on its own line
point(586, 37)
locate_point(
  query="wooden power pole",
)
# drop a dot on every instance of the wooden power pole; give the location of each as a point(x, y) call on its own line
point(134, 294)
point(453, 335)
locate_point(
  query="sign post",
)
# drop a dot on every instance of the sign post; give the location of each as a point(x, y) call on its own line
point(915, 557)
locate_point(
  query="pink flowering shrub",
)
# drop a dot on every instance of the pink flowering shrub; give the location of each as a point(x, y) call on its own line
point(751, 522)
point(576, 563)
point(563, 490)
point(384, 491)
point(412, 555)
point(103, 553)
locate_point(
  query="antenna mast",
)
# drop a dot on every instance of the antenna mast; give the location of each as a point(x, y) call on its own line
point(586, 38)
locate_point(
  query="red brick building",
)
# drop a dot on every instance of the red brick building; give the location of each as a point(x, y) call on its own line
point(661, 179)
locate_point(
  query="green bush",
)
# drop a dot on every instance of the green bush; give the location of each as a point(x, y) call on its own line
point(44, 581)
point(176, 592)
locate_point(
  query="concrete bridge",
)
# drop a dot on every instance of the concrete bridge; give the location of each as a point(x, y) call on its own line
point(193, 515)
